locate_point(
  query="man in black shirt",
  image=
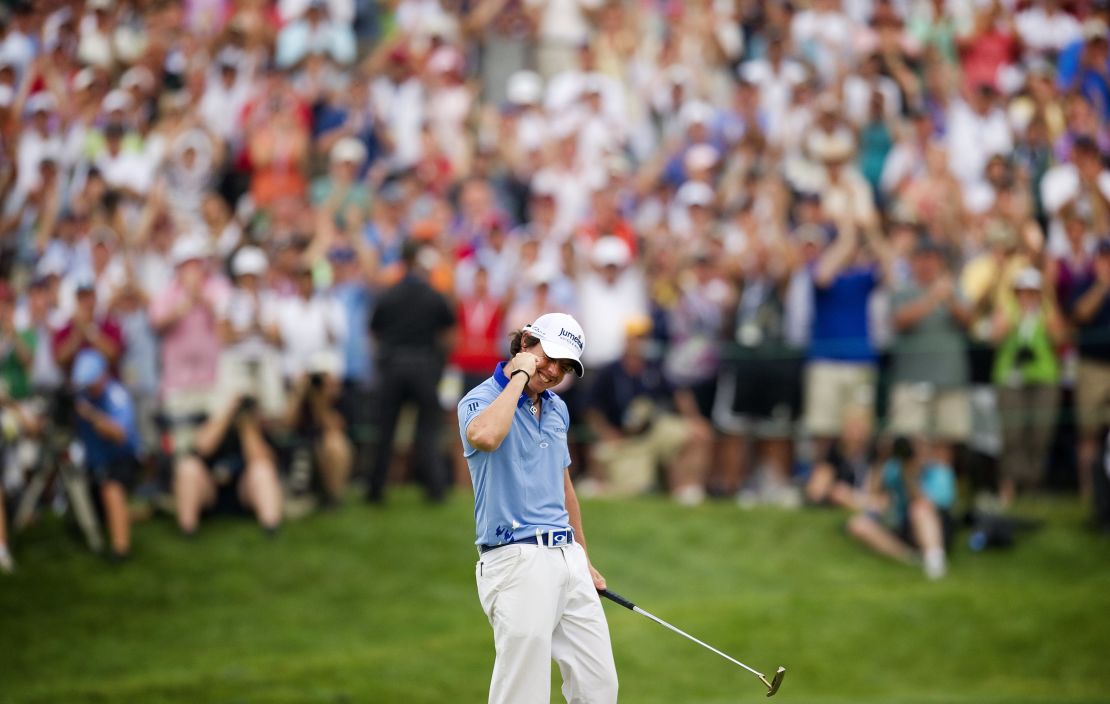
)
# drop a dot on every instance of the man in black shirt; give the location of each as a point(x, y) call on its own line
point(411, 325)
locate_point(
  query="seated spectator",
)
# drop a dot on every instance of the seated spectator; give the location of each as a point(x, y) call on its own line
point(642, 422)
point(1026, 374)
point(312, 413)
point(230, 465)
point(107, 429)
point(840, 478)
point(916, 498)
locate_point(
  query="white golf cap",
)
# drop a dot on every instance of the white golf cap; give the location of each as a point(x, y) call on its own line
point(524, 88)
point(348, 150)
point(1028, 279)
point(187, 248)
point(694, 193)
point(700, 157)
point(249, 260)
point(610, 251)
point(561, 337)
point(117, 99)
point(40, 102)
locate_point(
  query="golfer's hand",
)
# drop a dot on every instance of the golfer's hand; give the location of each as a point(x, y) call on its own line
point(523, 360)
point(599, 581)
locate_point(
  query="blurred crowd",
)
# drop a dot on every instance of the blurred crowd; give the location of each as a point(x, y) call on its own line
point(870, 238)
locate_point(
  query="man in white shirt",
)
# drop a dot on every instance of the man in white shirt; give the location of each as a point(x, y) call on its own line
point(977, 129)
point(615, 291)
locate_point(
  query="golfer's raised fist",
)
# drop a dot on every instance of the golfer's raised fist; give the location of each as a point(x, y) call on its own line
point(523, 360)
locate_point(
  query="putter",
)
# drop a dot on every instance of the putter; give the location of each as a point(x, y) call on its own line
point(772, 686)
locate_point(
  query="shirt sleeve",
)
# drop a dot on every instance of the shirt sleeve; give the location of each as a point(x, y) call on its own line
point(469, 407)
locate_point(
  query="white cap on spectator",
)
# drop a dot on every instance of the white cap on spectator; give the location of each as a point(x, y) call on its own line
point(542, 272)
point(695, 112)
point(116, 100)
point(348, 150)
point(610, 251)
point(1094, 28)
point(229, 57)
point(83, 78)
point(830, 147)
point(137, 77)
point(694, 193)
point(40, 102)
point(249, 260)
point(524, 88)
point(700, 157)
point(445, 60)
point(679, 75)
point(324, 362)
point(1028, 279)
point(188, 248)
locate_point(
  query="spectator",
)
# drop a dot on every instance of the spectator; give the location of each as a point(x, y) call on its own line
point(917, 520)
point(230, 465)
point(843, 476)
point(616, 291)
point(929, 370)
point(249, 364)
point(413, 327)
point(313, 415)
point(87, 330)
point(1026, 372)
point(1090, 312)
point(183, 314)
point(107, 430)
point(643, 422)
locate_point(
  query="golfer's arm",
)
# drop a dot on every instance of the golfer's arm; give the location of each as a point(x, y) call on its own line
point(489, 428)
point(575, 511)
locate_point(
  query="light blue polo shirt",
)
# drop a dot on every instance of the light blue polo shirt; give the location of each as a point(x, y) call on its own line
point(518, 488)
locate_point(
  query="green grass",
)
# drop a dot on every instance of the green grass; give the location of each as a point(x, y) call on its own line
point(364, 605)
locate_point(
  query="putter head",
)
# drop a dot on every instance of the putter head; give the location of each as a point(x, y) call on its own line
point(776, 681)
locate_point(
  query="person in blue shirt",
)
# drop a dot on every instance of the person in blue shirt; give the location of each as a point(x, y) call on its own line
point(907, 510)
point(535, 581)
point(108, 431)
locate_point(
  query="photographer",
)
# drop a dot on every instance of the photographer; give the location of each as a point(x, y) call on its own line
point(1026, 373)
point(106, 428)
point(231, 465)
point(313, 416)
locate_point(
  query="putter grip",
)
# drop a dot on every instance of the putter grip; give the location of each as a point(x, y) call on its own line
point(617, 599)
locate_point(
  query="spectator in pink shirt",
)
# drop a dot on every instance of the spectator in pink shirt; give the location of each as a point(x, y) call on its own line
point(183, 315)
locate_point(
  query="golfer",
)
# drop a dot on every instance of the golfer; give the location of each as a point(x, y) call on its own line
point(535, 581)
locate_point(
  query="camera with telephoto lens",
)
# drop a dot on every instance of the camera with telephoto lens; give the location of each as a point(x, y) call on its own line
point(1024, 356)
point(247, 406)
point(316, 380)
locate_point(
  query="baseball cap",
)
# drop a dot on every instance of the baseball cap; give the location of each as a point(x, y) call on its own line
point(348, 150)
point(610, 251)
point(1028, 279)
point(561, 337)
point(188, 248)
point(89, 367)
point(249, 260)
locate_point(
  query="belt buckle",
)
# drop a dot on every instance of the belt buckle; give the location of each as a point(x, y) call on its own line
point(559, 538)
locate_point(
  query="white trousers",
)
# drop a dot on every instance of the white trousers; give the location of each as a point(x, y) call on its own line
point(542, 605)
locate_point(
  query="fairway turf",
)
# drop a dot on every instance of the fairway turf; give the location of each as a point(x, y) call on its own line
point(379, 605)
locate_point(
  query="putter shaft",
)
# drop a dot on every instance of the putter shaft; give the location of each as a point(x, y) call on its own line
point(772, 686)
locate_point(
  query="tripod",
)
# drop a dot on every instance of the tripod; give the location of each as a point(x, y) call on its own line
point(60, 457)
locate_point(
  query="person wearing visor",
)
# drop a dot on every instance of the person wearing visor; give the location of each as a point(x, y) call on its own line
point(534, 577)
